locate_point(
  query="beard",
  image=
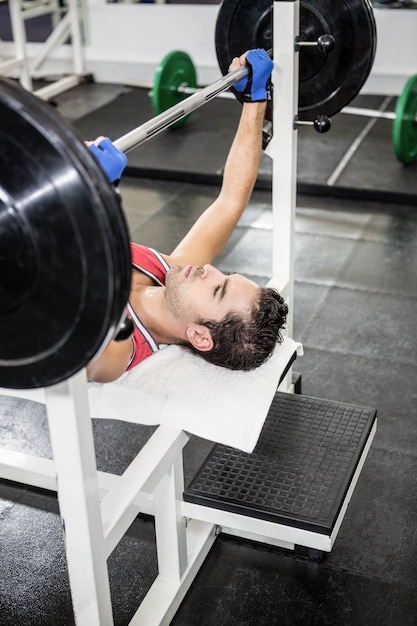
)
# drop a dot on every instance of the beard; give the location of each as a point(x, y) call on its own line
point(177, 296)
point(175, 293)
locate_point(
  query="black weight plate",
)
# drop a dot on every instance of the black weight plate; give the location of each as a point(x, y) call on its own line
point(64, 247)
point(327, 82)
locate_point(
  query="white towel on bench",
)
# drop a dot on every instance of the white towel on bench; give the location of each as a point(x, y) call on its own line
point(177, 387)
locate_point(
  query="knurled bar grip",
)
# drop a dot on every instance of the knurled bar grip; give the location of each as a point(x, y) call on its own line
point(161, 122)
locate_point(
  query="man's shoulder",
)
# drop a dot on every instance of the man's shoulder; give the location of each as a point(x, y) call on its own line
point(145, 258)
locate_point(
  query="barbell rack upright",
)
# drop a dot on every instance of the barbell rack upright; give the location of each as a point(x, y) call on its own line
point(282, 149)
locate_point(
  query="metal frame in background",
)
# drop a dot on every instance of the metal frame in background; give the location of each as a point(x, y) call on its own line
point(66, 27)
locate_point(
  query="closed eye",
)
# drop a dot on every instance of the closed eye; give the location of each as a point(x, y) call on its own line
point(222, 289)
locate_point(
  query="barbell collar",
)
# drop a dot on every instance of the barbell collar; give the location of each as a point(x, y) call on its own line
point(321, 123)
point(325, 43)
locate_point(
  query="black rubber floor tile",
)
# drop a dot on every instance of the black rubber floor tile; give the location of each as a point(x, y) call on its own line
point(24, 426)
point(356, 379)
point(34, 584)
point(314, 266)
point(367, 324)
point(389, 268)
point(376, 539)
point(251, 253)
point(240, 584)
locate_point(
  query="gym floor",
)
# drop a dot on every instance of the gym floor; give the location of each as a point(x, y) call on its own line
point(355, 311)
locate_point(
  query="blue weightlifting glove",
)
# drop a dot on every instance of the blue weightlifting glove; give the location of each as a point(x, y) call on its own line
point(255, 87)
point(110, 158)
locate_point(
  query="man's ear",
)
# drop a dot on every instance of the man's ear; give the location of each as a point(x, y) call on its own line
point(200, 338)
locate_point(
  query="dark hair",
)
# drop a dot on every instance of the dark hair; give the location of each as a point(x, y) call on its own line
point(245, 342)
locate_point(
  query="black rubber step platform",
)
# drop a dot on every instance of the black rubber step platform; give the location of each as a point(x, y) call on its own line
point(300, 470)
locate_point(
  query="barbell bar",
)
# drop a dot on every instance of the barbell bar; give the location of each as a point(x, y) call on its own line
point(184, 106)
point(174, 114)
point(176, 76)
point(374, 113)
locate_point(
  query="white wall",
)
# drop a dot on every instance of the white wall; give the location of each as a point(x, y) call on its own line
point(396, 56)
point(125, 42)
point(142, 34)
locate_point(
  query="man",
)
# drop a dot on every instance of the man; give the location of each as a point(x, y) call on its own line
point(181, 298)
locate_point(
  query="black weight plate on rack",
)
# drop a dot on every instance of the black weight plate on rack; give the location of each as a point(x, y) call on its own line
point(327, 82)
point(64, 247)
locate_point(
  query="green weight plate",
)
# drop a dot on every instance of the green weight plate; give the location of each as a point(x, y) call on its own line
point(404, 128)
point(175, 70)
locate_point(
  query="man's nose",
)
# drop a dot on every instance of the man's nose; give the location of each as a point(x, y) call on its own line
point(209, 270)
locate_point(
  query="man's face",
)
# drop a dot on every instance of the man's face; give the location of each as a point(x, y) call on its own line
point(204, 293)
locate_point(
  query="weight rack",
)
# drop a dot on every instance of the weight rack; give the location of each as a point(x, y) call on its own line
point(66, 25)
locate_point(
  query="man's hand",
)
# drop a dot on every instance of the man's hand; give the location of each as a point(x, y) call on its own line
point(110, 158)
point(255, 87)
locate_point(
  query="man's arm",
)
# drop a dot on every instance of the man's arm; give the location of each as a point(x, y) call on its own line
point(211, 231)
point(111, 363)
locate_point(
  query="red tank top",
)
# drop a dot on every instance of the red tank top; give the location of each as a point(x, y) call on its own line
point(153, 265)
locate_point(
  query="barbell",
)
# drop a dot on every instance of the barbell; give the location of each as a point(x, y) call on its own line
point(64, 243)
